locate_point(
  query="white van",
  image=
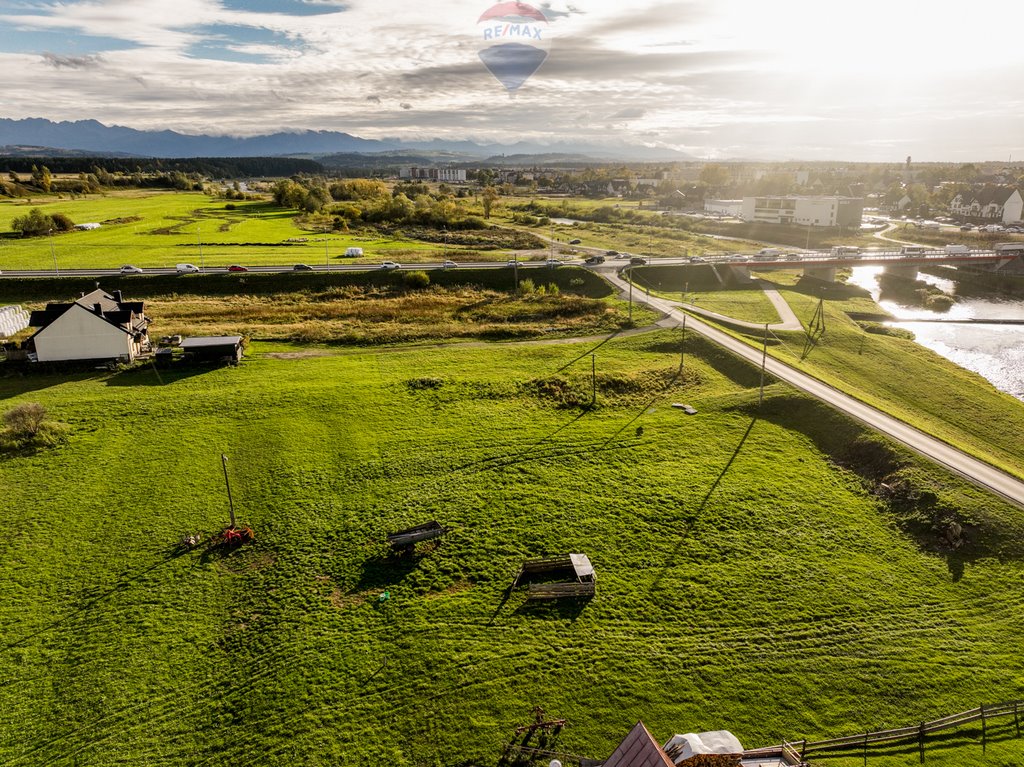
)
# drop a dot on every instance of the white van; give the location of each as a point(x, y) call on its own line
point(187, 269)
point(353, 252)
point(957, 249)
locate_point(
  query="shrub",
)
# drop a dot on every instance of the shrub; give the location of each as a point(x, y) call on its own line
point(25, 420)
point(62, 223)
point(526, 287)
point(416, 280)
point(27, 427)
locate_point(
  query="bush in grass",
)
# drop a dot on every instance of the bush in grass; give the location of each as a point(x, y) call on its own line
point(526, 287)
point(425, 382)
point(878, 328)
point(416, 280)
point(26, 427)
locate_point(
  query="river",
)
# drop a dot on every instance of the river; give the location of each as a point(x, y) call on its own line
point(993, 351)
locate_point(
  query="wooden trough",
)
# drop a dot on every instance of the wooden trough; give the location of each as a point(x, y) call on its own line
point(581, 586)
point(406, 539)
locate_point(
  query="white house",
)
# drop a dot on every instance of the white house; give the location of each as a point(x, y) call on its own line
point(991, 203)
point(98, 326)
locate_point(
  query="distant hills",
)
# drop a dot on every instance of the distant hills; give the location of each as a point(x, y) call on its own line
point(89, 137)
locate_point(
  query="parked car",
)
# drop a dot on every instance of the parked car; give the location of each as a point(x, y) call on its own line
point(449, 265)
point(1013, 229)
point(697, 260)
point(594, 260)
point(238, 268)
point(966, 228)
point(638, 261)
point(512, 262)
point(391, 265)
point(552, 262)
point(129, 269)
point(302, 268)
point(611, 253)
point(576, 241)
point(792, 257)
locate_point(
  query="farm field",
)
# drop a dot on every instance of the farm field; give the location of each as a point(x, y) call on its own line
point(745, 580)
point(160, 229)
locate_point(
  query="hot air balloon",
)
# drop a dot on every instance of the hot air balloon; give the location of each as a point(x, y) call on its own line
point(515, 42)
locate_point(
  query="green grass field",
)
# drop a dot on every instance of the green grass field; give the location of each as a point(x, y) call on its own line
point(745, 581)
point(160, 229)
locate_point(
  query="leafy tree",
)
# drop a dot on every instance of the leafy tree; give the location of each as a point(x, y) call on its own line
point(715, 176)
point(488, 198)
point(33, 224)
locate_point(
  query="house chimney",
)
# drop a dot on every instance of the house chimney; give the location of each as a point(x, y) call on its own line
point(98, 308)
point(117, 297)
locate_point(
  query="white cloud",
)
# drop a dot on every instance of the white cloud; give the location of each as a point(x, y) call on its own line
point(747, 78)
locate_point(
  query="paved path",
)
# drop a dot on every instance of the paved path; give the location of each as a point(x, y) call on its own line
point(967, 466)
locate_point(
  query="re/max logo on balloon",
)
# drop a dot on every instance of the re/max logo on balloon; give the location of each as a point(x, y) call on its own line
point(512, 30)
point(514, 42)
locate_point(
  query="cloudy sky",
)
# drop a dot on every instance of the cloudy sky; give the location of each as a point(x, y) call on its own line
point(872, 80)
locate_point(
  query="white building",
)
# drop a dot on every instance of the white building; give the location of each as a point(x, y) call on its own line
point(725, 207)
point(98, 326)
point(442, 175)
point(804, 211)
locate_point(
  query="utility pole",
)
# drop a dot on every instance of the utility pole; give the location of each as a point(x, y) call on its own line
point(327, 252)
point(593, 380)
point(231, 503)
point(682, 346)
point(764, 361)
point(629, 278)
point(199, 239)
point(53, 254)
point(515, 272)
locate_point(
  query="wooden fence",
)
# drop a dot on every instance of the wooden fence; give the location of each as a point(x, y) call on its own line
point(909, 734)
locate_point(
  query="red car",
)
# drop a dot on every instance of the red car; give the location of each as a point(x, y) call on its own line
point(237, 268)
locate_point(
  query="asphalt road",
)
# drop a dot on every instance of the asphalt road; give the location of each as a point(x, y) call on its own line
point(972, 469)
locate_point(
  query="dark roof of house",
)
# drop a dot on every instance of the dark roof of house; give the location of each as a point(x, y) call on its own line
point(198, 342)
point(127, 315)
point(988, 194)
point(638, 749)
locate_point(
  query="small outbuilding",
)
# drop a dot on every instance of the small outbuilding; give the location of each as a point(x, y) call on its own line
point(572, 575)
point(217, 349)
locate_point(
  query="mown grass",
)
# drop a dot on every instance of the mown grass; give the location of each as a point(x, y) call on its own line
point(160, 229)
point(899, 376)
point(745, 581)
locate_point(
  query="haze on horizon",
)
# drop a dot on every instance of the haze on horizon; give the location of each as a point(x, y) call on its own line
point(794, 79)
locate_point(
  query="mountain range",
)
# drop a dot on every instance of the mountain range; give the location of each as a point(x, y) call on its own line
point(93, 137)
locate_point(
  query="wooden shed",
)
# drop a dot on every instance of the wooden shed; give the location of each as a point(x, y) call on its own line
point(573, 576)
point(218, 349)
